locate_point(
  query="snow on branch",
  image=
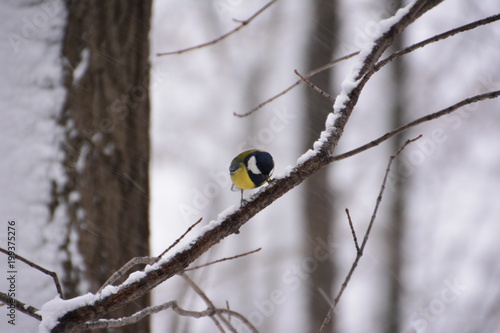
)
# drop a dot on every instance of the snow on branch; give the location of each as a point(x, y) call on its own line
point(87, 311)
point(216, 314)
point(230, 222)
point(381, 63)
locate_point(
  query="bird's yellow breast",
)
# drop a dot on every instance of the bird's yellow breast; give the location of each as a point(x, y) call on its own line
point(241, 179)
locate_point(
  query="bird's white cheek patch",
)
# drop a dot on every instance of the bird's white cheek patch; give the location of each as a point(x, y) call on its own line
point(252, 165)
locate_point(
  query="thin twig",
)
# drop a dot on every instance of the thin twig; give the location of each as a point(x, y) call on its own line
point(436, 38)
point(178, 239)
point(223, 259)
point(215, 41)
point(144, 260)
point(315, 87)
point(227, 307)
point(208, 302)
point(40, 268)
point(352, 231)
point(426, 118)
point(20, 306)
point(311, 73)
point(383, 62)
point(120, 322)
point(365, 239)
point(125, 268)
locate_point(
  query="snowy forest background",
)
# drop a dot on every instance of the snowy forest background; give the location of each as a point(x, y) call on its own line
point(431, 264)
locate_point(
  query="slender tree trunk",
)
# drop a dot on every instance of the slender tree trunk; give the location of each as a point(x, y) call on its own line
point(318, 196)
point(106, 117)
point(397, 221)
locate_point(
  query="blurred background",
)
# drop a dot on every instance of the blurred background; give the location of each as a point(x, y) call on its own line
point(431, 263)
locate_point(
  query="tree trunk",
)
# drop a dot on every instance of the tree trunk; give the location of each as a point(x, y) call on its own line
point(106, 117)
point(397, 221)
point(318, 197)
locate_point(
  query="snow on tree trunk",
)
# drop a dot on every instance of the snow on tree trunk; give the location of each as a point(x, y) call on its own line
point(106, 148)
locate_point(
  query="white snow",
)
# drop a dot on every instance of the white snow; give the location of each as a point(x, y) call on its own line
point(351, 82)
point(52, 310)
point(82, 66)
point(454, 212)
point(31, 95)
point(356, 179)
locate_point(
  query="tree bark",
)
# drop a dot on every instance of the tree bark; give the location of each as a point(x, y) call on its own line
point(318, 196)
point(106, 117)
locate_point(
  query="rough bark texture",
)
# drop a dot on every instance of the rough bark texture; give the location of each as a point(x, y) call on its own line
point(106, 114)
point(318, 195)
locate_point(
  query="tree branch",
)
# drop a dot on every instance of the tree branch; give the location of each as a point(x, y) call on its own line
point(383, 62)
point(113, 323)
point(125, 268)
point(215, 41)
point(230, 223)
point(360, 250)
point(209, 303)
point(421, 120)
point(178, 239)
point(437, 38)
point(315, 87)
point(20, 306)
point(223, 259)
point(310, 74)
point(353, 232)
point(37, 267)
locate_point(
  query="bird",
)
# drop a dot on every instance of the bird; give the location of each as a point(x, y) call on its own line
point(250, 169)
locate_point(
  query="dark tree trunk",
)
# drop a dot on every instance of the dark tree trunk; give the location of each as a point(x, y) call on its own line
point(106, 116)
point(318, 196)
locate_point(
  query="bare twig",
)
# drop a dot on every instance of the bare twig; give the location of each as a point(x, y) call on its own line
point(38, 267)
point(365, 239)
point(311, 73)
point(227, 307)
point(144, 260)
point(223, 259)
point(214, 313)
point(20, 306)
point(315, 87)
point(426, 118)
point(178, 239)
point(113, 323)
point(208, 302)
point(437, 38)
point(355, 238)
point(383, 62)
point(215, 41)
point(125, 268)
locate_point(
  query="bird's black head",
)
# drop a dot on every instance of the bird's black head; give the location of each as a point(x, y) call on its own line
point(260, 166)
point(265, 162)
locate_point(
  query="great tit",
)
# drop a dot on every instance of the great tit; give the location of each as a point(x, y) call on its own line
point(251, 169)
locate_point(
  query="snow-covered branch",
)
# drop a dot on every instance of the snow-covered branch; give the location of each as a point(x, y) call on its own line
point(216, 314)
point(90, 307)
